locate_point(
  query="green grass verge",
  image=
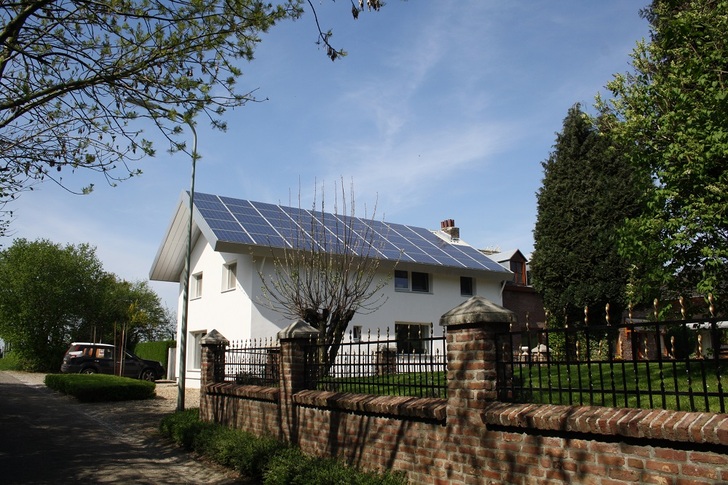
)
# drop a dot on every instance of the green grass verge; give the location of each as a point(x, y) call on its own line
point(264, 459)
point(100, 387)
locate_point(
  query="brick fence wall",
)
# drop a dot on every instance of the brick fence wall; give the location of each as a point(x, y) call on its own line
point(470, 438)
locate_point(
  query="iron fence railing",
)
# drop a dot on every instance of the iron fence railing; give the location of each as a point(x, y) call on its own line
point(676, 364)
point(381, 365)
point(253, 362)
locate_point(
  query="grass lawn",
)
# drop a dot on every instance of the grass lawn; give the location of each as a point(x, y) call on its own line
point(695, 385)
point(415, 384)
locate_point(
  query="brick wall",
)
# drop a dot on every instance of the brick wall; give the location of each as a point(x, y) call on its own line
point(470, 438)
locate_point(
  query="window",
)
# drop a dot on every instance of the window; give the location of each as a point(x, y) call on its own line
point(401, 280)
point(195, 350)
point(196, 291)
point(411, 337)
point(229, 277)
point(466, 286)
point(420, 281)
point(356, 333)
point(519, 276)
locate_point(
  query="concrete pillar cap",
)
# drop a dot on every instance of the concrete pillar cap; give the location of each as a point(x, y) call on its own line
point(213, 337)
point(298, 329)
point(477, 309)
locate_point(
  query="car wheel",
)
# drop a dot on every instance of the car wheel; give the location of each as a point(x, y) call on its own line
point(147, 375)
point(88, 370)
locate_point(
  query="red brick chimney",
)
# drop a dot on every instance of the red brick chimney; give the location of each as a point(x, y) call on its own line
point(448, 227)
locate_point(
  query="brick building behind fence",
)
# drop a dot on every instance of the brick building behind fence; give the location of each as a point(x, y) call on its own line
point(470, 437)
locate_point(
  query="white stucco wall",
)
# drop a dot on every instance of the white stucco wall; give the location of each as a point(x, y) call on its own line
point(238, 314)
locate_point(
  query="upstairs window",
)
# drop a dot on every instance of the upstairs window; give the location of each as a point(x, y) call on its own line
point(401, 280)
point(415, 281)
point(466, 286)
point(420, 282)
point(230, 277)
point(519, 275)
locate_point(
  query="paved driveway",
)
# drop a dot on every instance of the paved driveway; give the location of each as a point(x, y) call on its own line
point(48, 438)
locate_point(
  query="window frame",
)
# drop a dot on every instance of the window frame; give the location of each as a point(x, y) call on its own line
point(356, 332)
point(194, 356)
point(196, 286)
point(426, 288)
point(401, 276)
point(413, 280)
point(463, 287)
point(230, 276)
point(412, 336)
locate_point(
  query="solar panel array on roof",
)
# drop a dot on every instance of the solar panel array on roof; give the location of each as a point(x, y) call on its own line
point(256, 223)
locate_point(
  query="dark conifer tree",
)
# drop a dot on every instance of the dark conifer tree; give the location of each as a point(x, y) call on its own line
point(588, 191)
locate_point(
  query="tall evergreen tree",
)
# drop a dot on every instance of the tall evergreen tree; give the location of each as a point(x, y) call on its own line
point(587, 192)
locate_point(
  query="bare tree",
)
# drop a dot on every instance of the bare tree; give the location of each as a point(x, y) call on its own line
point(328, 273)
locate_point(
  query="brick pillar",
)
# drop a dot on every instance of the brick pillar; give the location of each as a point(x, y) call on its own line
point(472, 375)
point(212, 365)
point(292, 373)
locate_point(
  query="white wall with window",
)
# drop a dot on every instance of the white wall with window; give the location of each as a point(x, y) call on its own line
point(194, 350)
point(196, 285)
point(230, 276)
point(413, 294)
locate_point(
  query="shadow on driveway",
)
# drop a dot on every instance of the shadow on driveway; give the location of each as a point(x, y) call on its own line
point(46, 438)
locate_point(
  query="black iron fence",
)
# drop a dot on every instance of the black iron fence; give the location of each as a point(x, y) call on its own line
point(253, 362)
point(676, 364)
point(381, 364)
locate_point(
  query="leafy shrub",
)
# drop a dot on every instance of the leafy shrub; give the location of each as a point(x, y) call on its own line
point(259, 458)
point(232, 448)
point(183, 427)
point(292, 467)
point(10, 361)
point(100, 387)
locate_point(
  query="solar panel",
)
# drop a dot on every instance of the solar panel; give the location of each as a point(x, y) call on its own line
point(245, 222)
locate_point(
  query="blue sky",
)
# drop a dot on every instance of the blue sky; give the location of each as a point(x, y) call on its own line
point(441, 110)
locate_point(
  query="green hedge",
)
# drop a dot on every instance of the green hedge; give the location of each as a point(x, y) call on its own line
point(100, 387)
point(158, 351)
point(265, 459)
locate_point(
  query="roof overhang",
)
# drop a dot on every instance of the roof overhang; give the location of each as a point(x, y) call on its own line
point(170, 259)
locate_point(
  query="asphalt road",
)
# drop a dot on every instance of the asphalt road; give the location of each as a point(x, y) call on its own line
point(48, 438)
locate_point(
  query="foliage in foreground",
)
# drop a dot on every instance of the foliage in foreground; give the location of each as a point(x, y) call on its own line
point(262, 458)
point(669, 119)
point(100, 387)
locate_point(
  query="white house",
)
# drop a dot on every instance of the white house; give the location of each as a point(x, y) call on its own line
point(427, 272)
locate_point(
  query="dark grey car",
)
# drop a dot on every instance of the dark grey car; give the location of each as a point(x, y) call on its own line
point(96, 358)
